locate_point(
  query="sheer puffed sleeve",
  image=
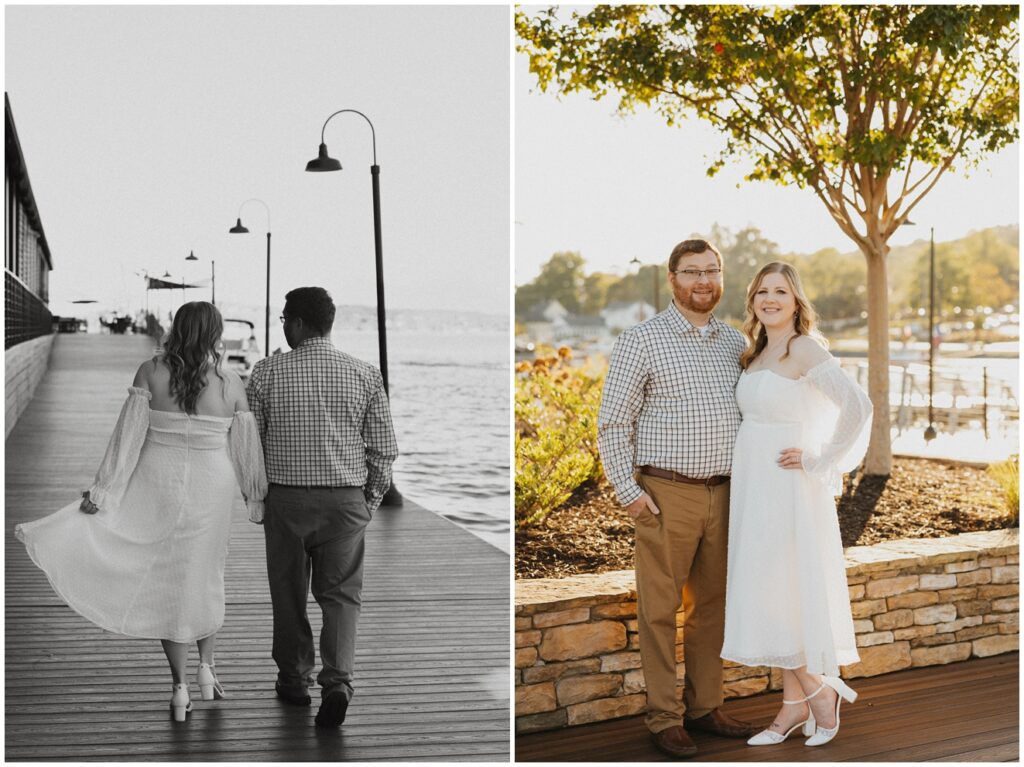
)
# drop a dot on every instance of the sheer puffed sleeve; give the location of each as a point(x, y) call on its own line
point(845, 449)
point(247, 458)
point(122, 451)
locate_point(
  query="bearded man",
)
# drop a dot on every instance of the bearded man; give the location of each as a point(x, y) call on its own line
point(666, 429)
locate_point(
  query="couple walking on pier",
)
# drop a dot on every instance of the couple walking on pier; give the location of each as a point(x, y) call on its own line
point(146, 558)
point(728, 448)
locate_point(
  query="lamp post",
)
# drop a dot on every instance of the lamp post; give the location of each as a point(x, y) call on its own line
point(325, 163)
point(239, 229)
point(929, 433)
point(657, 298)
point(213, 276)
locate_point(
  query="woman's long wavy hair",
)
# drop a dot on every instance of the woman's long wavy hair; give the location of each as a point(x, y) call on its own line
point(804, 321)
point(190, 350)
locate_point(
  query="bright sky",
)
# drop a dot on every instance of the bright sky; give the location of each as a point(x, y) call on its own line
point(145, 127)
point(614, 188)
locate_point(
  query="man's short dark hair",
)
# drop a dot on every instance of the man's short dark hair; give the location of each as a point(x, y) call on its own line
point(686, 247)
point(313, 305)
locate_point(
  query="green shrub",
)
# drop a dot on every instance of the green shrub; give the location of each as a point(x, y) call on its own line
point(556, 433)
point(1007, 475)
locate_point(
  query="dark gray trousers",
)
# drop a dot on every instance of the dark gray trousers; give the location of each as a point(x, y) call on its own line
point(315, 537)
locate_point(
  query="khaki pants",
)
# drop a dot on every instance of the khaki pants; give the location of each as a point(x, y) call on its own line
point(681, 552)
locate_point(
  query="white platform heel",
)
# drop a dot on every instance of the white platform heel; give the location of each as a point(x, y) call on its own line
point(844, 692)
point(770, 738)
point(181, 703)
point(208, 684)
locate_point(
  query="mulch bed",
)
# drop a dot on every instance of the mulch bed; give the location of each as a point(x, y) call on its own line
point(922, 498)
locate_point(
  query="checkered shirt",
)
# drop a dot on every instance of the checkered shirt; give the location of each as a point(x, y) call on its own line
point(324, 420)
point(669, 401)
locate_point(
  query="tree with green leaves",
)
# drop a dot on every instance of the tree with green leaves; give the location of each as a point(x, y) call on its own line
point(866, 106)
point(560, 279)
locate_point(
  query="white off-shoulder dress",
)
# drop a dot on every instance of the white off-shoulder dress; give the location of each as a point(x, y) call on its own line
point(787, 604)
point(150, 562)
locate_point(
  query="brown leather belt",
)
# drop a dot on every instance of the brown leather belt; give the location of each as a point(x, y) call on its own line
point(652, 471)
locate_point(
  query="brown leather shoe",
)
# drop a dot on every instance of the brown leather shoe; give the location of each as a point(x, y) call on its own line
point(675, 742)
point(720, 723)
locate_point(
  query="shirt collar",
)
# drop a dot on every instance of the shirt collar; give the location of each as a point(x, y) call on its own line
point(683, 325)
point(315, 341)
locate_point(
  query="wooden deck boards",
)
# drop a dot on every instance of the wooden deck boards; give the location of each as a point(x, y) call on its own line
point(432, 657)
point(962, 712)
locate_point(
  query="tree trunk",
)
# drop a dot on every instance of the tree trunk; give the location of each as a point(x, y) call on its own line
point(879, 457)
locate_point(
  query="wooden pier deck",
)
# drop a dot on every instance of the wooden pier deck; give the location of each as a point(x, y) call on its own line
point(432, 659)
point(963, 712)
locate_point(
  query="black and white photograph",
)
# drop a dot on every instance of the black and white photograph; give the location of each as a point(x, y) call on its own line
point(257, 354)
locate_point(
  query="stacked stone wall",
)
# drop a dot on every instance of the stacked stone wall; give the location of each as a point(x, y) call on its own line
point(24, 367)
point(915, 602)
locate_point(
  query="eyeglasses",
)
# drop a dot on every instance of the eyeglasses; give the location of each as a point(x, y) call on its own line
point(696, 274)
point(283, 318)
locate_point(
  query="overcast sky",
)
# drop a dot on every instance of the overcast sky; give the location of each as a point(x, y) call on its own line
point(145, 127)
point(614, 188)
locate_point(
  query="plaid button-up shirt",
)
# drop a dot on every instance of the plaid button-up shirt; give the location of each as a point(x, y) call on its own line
point(669, 401)
point(324, 420)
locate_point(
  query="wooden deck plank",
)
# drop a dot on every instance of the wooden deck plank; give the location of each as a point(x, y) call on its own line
point(432, 657)
point(960, 712)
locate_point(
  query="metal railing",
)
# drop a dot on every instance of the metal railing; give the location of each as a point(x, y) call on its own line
point(26, 316)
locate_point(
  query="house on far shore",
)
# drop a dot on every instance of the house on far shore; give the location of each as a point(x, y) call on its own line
point(576, 329)
point(625, 314)
point(541, 319)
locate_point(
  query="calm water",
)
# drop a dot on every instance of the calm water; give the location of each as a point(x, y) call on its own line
point(450, 406)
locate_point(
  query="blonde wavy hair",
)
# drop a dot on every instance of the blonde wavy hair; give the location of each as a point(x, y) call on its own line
point(805, 320)
point(190, 351)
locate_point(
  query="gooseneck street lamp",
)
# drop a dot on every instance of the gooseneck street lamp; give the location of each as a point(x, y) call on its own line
point(657, 282)
point(324, 163)
point(213, 276)
point(929, 433)
point(239, 229)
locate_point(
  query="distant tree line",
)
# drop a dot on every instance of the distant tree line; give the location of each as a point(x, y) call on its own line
point(979, 270)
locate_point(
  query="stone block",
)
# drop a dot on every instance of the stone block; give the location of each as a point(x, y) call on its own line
point(937, 656)
point(960, 623)
point(524, 623)
point(853, 580)
point(606, 708)
point(1007, 574)
point(856, 592)
point(975, 577)
point(1009, 604)
point(936, 582)
point(551, 672)
point(561, 617)
point(913, 599)
point(1007, 628)
point(868, 607)
point(621, 661)
point(1012, 559)
point(972, 607)
point(992, 561)
point(934, 614)
point(894, 619)
point(863, 626)
point(776, 679)
point(526, 656)
point(741, 688)
point(888, 587)
point(634, 642)
point(932, 641)
point(1013, 618)
point(535, 698)
point(744, 672)
point(994, 645)
point(582, 640)
point(880, 659)
point(577, 689)
point(633, 681)
point(527, 638)
point(875, 638)
point(618, 610)
point(551, 720)
point(962, 567)
point(632, 625)
point(976, 632)
point(1000, 590)
point(958, 595)
point(913, 632)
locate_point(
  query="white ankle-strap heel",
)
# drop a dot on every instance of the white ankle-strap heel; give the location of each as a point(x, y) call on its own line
point(208, 684)
point(844, 692)
point(771, 738)
point(181, 704)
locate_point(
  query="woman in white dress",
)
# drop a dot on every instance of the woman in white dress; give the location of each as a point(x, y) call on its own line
point(805, 422)
point(146, 558)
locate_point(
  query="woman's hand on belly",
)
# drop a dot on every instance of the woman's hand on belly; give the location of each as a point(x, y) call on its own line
point(791, 458)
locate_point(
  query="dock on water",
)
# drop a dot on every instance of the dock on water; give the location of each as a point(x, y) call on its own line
point(432, 653)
